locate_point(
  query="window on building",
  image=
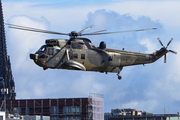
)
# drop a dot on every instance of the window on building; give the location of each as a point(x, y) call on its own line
point(2, 109)
point(72, 118)
point(7, 111)
point(78, 110)
point(64, 110)
point(54, 110)
point(1, 117)
point(17, 110)
point(27, 111)
point(54, 118)
point(71, 110)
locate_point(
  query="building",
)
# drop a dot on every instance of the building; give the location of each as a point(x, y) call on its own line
point(26, 117)
point(133, 114)
point(149, 117)
point(90, 108)
point(116, 113)
point(2, 115)
point(7, 86)
point(35, 117)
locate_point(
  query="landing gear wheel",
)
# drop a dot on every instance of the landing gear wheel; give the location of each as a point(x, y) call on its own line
point(44, 68)
point(118, 71)
point(119, 77)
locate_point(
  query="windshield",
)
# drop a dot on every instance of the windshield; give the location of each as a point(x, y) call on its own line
point(42, 49)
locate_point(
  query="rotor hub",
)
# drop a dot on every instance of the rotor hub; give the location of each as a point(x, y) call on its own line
point(73, 34)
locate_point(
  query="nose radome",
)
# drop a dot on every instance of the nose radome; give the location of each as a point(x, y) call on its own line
point(33, 56)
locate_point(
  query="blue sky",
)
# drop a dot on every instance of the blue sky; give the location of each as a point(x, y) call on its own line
point(151, 88)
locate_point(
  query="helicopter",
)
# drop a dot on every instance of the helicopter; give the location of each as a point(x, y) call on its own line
point(78, 53)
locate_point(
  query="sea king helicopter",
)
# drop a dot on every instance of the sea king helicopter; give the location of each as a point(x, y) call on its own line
point(77, 53)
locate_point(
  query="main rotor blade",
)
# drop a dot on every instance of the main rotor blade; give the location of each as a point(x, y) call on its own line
point(99, 31)
point(85, 29)
point(169, 42)
point(18, 26)
point(34, 29)
point(172, 51)
point(12, 25)
point(41, 31)
point(118, 32)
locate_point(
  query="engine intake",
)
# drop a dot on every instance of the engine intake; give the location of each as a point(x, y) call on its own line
point(102, 45)
point(53, 42)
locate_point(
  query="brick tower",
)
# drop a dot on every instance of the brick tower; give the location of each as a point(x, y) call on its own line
point(7, 86)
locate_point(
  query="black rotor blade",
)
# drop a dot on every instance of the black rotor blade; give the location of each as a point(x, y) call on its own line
point(160, 42)
point(118, 32)
point(165, 58)
point(173, 51)
point(34, 29)
point(87, 28)
point(169, 42)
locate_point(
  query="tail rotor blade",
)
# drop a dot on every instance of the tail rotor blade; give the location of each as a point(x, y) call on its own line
point(173, 51)
point(169, 42)
point(165, 58)
point(160, 42)
point(164, 49)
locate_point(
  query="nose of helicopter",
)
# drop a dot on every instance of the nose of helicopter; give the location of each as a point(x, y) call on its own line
point(33, 56)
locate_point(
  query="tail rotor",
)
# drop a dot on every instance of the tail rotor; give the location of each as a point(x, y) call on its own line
point(166, 48)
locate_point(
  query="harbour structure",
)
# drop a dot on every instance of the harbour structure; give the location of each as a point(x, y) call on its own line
point(7, 85)
point(90, 108)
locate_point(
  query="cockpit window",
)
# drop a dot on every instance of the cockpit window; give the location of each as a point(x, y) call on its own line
point(42, 49)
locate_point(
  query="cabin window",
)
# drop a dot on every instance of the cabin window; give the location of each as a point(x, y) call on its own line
point(57, 50)
point(76, 56)
point(50, 51)
point(82, 56)
point(110, 58)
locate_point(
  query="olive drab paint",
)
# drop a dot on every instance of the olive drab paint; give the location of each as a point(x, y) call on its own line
point(81, 54)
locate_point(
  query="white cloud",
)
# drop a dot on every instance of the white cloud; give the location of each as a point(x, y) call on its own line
point(148, 105)
point(22, 43)
point(151, 47)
